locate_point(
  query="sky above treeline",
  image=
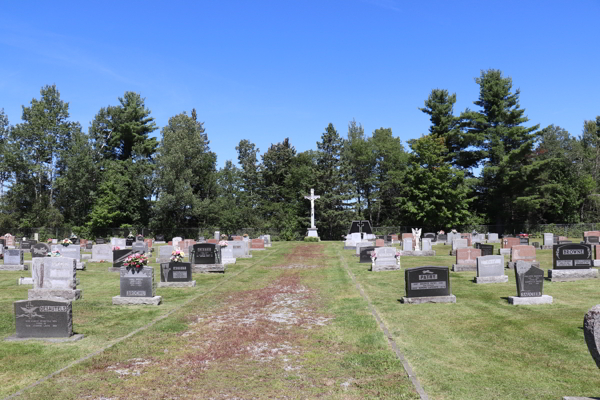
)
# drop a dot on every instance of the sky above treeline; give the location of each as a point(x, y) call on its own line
point(267, 70)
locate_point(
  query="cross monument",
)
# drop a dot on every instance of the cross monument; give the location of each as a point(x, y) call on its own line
point(312, 231)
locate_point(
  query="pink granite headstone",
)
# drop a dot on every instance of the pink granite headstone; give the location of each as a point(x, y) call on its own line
point(213, 241)
point(508, 243)
point(407, 236)
point(257, 244)
point(379, 243)
point(522, 253)
point(237, 238)
point(591, 233)
point(467, 256)
point(9, 240)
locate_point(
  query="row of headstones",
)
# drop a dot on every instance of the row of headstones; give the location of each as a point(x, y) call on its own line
point(431, 284)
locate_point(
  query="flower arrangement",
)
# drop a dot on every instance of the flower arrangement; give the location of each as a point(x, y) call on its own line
point(373, 256)
point(66, 242)
point(116, 248)
point(398, 254)
point(245, 235)
point(55, 253)
point(224, 237)
point(177, 256)
point(441, 232)
point(223, 243)
point(49, 241)
point(135, 262)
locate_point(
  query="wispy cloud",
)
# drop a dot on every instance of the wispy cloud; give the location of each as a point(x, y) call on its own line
point(387, 4)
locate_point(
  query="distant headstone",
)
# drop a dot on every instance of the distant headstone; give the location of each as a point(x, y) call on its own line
point(119, 242)
point(257, 244)
point(407, 244)
point(509, 242)
point(592, 239)
point(524, 241)
point(89, 245)
point(13, 260)
point(100, 241)
point(530, 284)
point(441, 238)
point(490, 269)
point(459, 244)
point(429, 235)
point(426, 244)
point(428, 284)
point(365, 254)
point(466, 259)
point(486, 249)
point(137, 287)
point(238, 248)
point(386, 259)
point(206, 257)
point(54, 278)
point(160, 238)
point(26, 246)
point(522, 253)
point(102, 253)
point(164, 253)
point(217, 235)
point(139, 247)
point(139, 238)
point(548, 239)
point(363, 226)
point(177, 274)
point(40, 250)
point(379, 243)
point(176, 241)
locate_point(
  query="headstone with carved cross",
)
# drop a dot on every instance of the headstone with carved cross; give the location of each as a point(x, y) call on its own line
point(312, 231)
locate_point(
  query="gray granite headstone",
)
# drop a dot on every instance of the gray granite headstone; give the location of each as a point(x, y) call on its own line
point(102, 252)
point(164, 253)
point(459, 244)
point(548, 239)
point(139, 247)
point(71, 251)
point(492, 236)
point(13, 257)
point(386, 259)
point(591, 329)
point(137, 283)
point(490, 266)
point(426, 244)
point(407, 244)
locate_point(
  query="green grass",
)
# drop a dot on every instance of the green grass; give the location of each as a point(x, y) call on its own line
point(482, 347)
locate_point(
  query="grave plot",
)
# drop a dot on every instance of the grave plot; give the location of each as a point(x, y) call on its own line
point(304, 256)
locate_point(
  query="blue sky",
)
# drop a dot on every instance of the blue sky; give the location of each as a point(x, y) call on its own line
point(267, 70)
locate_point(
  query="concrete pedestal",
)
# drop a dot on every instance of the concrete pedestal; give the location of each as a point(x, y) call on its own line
point(205, 268)
point(526, 301)
point(420, 253)
point(54, 294)
point(491, 279)
point(73, 338)
point(312, 232)
point(124, 301)
point(432, 299)
point(22, 267)
point(570, 275)
point(177, 284)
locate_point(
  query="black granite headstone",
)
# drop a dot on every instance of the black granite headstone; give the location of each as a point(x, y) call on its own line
point(206, 253)
point(43, 318)
point(25, 245)
point(572, 256)
point(137, 283)
point(89, 245)
point(365, 254)
point(40, 250)
point(427, 281)
point(128, 241)
point(555, 239)
point(176, 272)
point(356, 227)
point(530, 281)
point(592, 239)
point(119, 257)
point(429, 235)
point(2, 242)
point(487, 249)
point(99, 240)
point(160, 238)
point(524, 241)
point(139, 238)
point(74, 240)
point(536, 245)
point(441, 238)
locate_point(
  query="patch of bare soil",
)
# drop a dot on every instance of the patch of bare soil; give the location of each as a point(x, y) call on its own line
point(304, 257)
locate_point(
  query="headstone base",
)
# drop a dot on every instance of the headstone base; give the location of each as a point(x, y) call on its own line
point(526, 301)
point(570, 275)
point(464, 267)
point(80, 266)
point(114, 269)
point(420, 253)
point(54, 294)
point(580, 398)
point(14, 267)
point(379, 268)
point(228, 261)
point(25, 281)
point(260, 249)
point(546, 247)
point(177, 284)
point(504, 252)
point(493, 241)
point(511, 264)
point(73, 338)
point(163, 260)
point(86, 256)
point(95, 260)
point(159, 242)
point(491, 279)
point(205, 268)
point(124, 301)
point(596, 263)
point(431, 299)
point(312, 232)
point(346, 248)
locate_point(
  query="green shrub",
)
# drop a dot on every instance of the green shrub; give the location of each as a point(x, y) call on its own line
point(311, 239)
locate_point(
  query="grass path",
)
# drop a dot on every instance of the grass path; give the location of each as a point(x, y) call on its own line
point(292, 327)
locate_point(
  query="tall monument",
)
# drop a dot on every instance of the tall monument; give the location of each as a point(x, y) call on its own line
point(312, 231)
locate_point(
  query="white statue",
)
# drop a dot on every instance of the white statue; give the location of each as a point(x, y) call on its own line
point(416, 238)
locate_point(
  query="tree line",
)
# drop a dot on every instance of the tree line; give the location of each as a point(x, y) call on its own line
point(54, 175)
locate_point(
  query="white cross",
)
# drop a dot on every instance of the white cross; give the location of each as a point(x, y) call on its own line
point(312, 199)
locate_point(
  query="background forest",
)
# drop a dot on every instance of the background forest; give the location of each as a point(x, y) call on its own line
point(485, 166)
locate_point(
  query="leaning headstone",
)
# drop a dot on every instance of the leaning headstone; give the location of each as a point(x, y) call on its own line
point(386, 259)
point(365, 254)
point(591, 331)
point(429, 284)
point(466, 259)
point(44, 319)
point(164, 253)
point(40, 250)
point(54, 278)
point(101, 253)
point(118, 258)
point(206, 257)
point(530, 285)
point(176, 274)
point(522, 253)
point(137, 287)
point(572, 262)
point(490, 269)
point(13, 260)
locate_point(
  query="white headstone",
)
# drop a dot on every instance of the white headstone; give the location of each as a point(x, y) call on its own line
point(102, 252)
